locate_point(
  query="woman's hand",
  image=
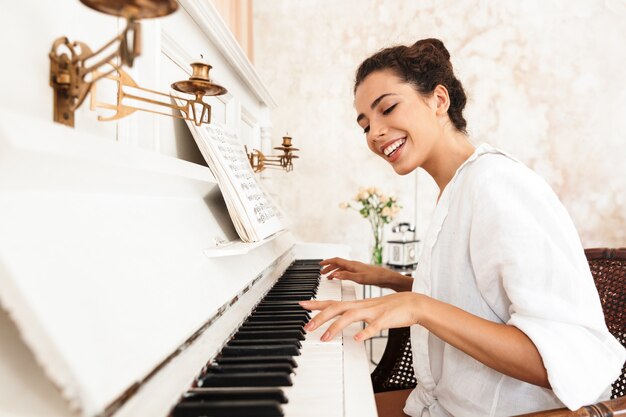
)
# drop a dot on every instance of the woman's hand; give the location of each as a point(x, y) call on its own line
point(391, 311)
point(500, 346)
point(365, 274)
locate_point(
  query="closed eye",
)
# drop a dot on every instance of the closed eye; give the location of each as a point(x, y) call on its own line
point(367, 129)
point(389, 109)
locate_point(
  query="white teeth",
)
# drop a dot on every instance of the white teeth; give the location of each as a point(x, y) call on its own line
point(389, 149)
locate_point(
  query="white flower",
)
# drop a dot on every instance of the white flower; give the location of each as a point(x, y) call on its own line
point(364, 195)
point(344, 205)
point(384, 199)
point(386, 212)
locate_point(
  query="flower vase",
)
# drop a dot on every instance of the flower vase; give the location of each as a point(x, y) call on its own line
point(377, 247)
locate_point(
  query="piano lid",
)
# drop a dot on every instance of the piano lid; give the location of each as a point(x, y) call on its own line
point(102, 263)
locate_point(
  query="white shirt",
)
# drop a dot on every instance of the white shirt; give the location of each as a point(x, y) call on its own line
point(502, 247)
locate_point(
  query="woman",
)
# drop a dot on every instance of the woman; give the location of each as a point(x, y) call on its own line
point(504, 315)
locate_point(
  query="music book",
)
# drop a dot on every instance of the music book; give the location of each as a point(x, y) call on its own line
point(254, 215)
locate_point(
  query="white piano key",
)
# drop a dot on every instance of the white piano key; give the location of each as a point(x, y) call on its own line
point(318, 383)
point(358, 392)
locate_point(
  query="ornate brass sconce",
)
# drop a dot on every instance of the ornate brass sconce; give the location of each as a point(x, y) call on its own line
point(75, 71)
point(260, 161)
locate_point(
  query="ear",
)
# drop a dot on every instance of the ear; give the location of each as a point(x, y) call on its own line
point(442, 100)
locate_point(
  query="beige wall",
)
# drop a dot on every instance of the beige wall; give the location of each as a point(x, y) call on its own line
point(544, 79)
point(238, 16)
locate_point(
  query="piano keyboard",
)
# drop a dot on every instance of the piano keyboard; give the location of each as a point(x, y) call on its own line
point(271, 367)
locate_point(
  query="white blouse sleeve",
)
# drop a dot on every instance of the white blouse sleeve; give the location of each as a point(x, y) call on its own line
point(527, 256)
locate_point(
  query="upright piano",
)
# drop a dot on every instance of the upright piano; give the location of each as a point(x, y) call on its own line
point(117, 302)
point(124, 290)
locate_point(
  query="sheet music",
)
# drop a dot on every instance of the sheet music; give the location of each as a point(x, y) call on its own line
point(255, 217)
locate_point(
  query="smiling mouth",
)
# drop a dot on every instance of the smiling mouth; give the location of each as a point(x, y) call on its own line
point(393, 147)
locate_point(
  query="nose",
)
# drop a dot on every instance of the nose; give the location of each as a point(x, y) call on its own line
point(378, 130)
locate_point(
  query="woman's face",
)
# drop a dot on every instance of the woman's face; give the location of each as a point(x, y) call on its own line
point(400, 125)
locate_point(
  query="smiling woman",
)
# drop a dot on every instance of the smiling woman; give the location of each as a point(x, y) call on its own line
point(502, 283)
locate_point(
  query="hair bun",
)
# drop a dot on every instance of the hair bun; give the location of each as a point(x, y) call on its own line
point(432, 44)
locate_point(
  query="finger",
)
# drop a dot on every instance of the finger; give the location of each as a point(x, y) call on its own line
point(329, 268)
point(337, 308)
point(370, 331)
point(350, 316)
point(345, 275)
point(316, 304)
point(337, 263)
point(322, 304)
point(330, 261)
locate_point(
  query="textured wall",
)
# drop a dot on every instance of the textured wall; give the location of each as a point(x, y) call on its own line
point(544, 81)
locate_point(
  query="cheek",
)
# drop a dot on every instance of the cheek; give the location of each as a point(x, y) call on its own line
point(371, 146)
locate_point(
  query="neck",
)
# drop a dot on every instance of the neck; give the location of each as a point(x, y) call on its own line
point(448, 154)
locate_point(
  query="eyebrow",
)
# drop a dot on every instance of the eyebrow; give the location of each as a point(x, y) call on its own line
point(374, 104)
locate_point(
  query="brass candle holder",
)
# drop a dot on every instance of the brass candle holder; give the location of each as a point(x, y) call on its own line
point(259, 161)
point(73, 78)
point(195, 110)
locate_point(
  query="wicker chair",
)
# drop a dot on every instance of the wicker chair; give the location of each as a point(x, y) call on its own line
point(608, 267)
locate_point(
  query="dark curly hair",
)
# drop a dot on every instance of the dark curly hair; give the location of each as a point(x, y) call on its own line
point(425, 65)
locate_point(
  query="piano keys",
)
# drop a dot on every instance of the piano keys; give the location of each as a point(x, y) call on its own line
point(291, 374)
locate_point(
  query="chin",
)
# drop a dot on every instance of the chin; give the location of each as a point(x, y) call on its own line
point(402, 169)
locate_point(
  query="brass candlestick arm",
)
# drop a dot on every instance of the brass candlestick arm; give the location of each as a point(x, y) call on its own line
point(259, 161)
point(75, 70)
point(195, 110)
point(71, 76)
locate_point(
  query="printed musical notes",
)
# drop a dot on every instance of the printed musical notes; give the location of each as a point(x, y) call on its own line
point(255, 217)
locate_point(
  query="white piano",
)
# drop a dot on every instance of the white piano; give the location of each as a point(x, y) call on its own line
point(114, 295)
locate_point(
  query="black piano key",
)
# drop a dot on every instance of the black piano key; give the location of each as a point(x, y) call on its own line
point(287, 304)
point(288, 312)
point(221, 359)
point(260, 350)
point(251, 408)
point(273, 323)
point(277, 323)
point(299, 292)
point(265, 334)
point(299, 278)
point(291, 309)
point(293, 291)
point(235, 394)
point(302, 272)
point(249, 367)
point(266, 342)
point(298, 297)
point(278, 317)
point(303, 268)
point(302, 284)
point(246, 379)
